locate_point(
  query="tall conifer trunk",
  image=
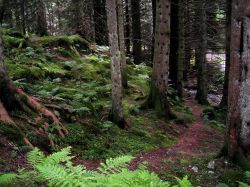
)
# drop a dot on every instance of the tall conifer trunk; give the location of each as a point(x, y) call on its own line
point(237, 142)
point(117, 110)
point(159, 84)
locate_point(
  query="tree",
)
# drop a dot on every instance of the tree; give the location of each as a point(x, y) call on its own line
point(82, 18)
point(201, 51)
point(224, 99)
point(122, 43)
point(159, 83)
point(41, 18)
point(237, 142)
point(127, 26)
point(136, 30)
point(174, 43)
point(100, 22)
point(13, 98)
point(117, 110)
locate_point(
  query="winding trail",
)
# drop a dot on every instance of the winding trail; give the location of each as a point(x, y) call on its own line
point(197, 141)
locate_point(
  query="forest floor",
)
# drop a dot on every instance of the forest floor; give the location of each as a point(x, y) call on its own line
point(77, 88)
point(192, 155)
point(196, 145)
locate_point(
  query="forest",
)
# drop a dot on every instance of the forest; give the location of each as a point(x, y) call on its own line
point(124, 93)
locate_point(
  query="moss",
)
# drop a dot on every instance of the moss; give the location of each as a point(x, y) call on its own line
point(19, 71)
point(12, 132)
point(53, 70)
point(13, 42)
point(63, 41)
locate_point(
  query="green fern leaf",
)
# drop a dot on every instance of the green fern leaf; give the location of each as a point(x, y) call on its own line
point(35, 157)
point(6, 179)
point(115, 165)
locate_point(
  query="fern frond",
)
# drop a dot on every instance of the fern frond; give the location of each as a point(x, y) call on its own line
point(247, 174)
point(56, 175)
point(35, 157)
point(183, 182)
point(56, 158)
point(242, 184)
point(7, 179)
point(115, 165)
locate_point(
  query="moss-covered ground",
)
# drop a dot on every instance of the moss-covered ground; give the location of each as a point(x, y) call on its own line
point(74, 82)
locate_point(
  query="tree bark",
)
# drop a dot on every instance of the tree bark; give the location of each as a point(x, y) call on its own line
point(122, 43)
point(100, 20)
point(41, 18)
point(159, 83)
point(224, 99)
point(237, 141)
point(174, 43)
point(181, 49)
point(117, 110)
point(136, 30)
point(201, 95)
point(127, 27)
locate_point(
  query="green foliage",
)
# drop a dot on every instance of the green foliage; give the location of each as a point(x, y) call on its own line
point(231, 177)
point(6, 179)
point(58, 170)
point(243, 184)
point(215, 117)
point(183, 182)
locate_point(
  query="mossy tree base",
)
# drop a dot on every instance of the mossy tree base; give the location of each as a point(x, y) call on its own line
point(159, 102)
point(13, 98)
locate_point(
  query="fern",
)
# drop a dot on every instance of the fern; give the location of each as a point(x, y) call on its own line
point(183, 182)
point(35, 157)
point(6, 179)
point(115, 165)
point(58, 157)
point(57, 170)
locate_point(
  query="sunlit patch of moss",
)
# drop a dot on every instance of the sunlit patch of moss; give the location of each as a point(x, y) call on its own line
point(54, 70)
point(10, 41)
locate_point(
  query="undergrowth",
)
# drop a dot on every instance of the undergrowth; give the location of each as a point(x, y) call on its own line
point(77, 88)
point(215, 117)
point(57, 169)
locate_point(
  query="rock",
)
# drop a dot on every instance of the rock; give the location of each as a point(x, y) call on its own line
point(195, 169)
point(210, 172)
point(211, 165)
point(170, 152)
point(57, 80)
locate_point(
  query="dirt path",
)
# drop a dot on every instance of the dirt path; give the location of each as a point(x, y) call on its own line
point(197, 141)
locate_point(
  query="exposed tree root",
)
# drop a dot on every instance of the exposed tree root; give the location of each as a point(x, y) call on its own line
point(32, 106)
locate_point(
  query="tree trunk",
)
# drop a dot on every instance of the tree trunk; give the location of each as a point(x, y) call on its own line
point(224, 99)
point(100, 20)
point(181, 49)
point(174, 43)
point(127, 27)
point(238, 124)
point(122, 43)
point(201, 95)
point(23, 17)
point(136, 30)
point(154, 19)
point(117, 110)
point(187, 37)
point(159, 84)
point(41, 18)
